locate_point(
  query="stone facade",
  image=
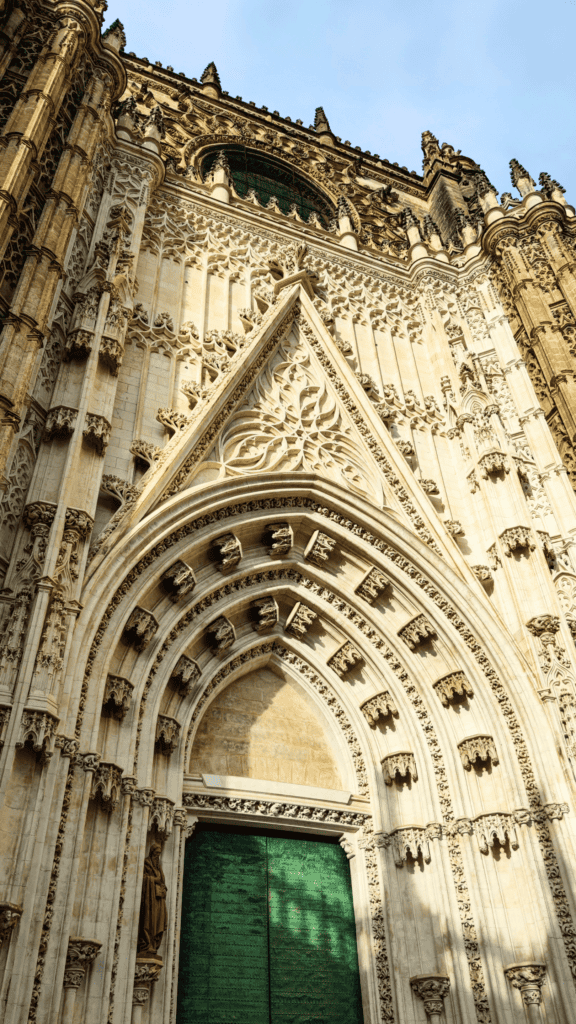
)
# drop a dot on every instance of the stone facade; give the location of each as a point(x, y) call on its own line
point(287, 535)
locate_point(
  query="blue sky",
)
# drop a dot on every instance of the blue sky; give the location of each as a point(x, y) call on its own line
point(496, 79)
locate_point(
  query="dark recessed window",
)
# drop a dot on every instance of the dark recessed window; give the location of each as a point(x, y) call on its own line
point(268, 179)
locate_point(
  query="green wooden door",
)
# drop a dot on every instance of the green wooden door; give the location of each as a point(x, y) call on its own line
point(268, 934)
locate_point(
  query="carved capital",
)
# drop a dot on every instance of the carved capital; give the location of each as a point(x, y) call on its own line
point(432, 990)
point(81, 954)
point(39, 513)
point(78, 521)
point(528, 977)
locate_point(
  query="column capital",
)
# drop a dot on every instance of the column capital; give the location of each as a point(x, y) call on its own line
point(527, 976)
point(432, 990)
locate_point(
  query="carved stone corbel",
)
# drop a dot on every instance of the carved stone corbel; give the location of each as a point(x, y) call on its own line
point(139, 629)
point(10, 914)
point(38, 728)
point(299, 620)
point(96, 433)
point(344, 659)
point(107, 785)
point(185, 674)
point(477, 748)
point(401, 765)
point(161, 816)
point(146, 973)
point(432, 990)
point(319, 548)
point(373, 584)
point(178, 581)
point(377, 707)
point(517, 538)
point(60, 422)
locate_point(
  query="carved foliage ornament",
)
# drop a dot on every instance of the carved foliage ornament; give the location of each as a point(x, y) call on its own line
point(432, 990)
point(528, 977)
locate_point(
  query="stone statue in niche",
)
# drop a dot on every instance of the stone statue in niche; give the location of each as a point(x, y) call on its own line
point(153, 914)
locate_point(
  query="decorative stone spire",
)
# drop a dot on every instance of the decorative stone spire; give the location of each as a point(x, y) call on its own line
point(321, 121)
point(521, 179)
point(211, 81)
point(115, 35)
point(551, 189)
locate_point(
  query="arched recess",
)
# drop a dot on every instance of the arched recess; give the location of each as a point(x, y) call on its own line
point(449, 836)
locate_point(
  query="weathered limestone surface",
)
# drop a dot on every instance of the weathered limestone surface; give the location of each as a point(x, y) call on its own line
point(287, 537)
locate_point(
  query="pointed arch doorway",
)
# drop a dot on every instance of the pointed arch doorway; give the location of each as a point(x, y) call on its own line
point(268, 933)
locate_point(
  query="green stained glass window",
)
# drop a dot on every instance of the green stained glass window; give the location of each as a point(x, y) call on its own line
point(269, 178)
point(268, 933)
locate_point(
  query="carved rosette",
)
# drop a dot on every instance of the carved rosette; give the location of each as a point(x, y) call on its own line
point(373, 584)
point(161, 816)
point(185, 674)
point(477, 748)
point(278, 539)
point(117, 696)
point(377, 707)
point(60, 422)
point(139, 629)
point(107, 785)
point(227, 552)
point(81, 954)
point(10, 914)
point(264, 614)
point(38, 728)
point(453, 685)
point(518, 538)
point(96, 432)
point(401, 765)
point(178, 581)
point(299, 620)
point(220, 635)
point(492, 463)
point(167, 734)
point(432, 990)
point(344, 659)
point(528, 977)
point(417, 631)
point(319, 548)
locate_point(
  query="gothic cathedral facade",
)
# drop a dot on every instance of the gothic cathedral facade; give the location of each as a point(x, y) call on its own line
point(287, 539)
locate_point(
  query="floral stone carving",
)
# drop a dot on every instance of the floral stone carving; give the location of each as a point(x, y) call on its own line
point(167, 734)
point(401, 764)
point(173, 421)
point(299, 620)
point(10, 914)
point(38, 728)
point(344, 659)
point(117, 696)
point(454, 527)
point(453, 685)
point(278, 539)
point(417, 631)
point(373, 584)
point(96, 432)
point(179, 580)
point(518, 538)
point(406, 447)
point(319, 548)
point(81, 954)
point(429, 486)
point(139, 629)
point(60, 422)
point(477, 748)
point(528, 977)
point(226, 551)
point(185, 674)
point(432, 990)
point(377, 707)
point(220, 634)
point(264, 614)
point(78, 344)
point(107, 785)
point(492, 463)
point(482, 573)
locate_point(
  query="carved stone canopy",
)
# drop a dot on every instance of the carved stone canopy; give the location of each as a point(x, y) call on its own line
point(117, 696)
point(451, 686)
point(178, 581)
point(373, 584)
point(417, 631)
point(401, 764)
point(344, 659)
point(299, 620)
point(185, 674)
point(278, 539)
point(477, 748)
point(167, 734)
point(226, 552)
point(319, 548)
point(139, 629)
point(264, 614)
point(220, 634)
point(380, 706)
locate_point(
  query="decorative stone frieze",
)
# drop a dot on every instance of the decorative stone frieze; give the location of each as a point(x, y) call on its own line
point(81, 954)
point(299, 620)
point(10, 914)
point(492, 828)
point(482, 573)
point(278, 539)
point(373, 585)
point(117, 696)
point(518, 538)
point(139, 629)
point(78, 344)
point(226, 551)
point(179, 580)
point(38, 728)
point(107, 785)
point(453, 685)
point(96, 432)
point(410, 841)
point(60, 422)
point(432, 990)
point(220, 634)
point(528, 977)
point(264, 614)
point(493, 463)
point(477, 748)
point(429, 486)
point(161, 816)
point(344, 659)
point(380, 706)
point(400, 765)
point(417, 631)
point(185, 675)
point(319, 548)
point(110, 353)
point(167, 734)
point(454, 527)
point(275, 809)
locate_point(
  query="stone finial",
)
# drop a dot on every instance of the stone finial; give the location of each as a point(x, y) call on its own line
point(185, 675)
point(321, 123)
point(521, 179)
point(432, 990)
point(299, 620)
point(483, 184)
point(528, 977)
point(115, 35)
point(379, 706)
point(179, 580)
point(139, 629)
point(210, 75)
point(477, 748)
point(549, 186)
point(401, 764)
